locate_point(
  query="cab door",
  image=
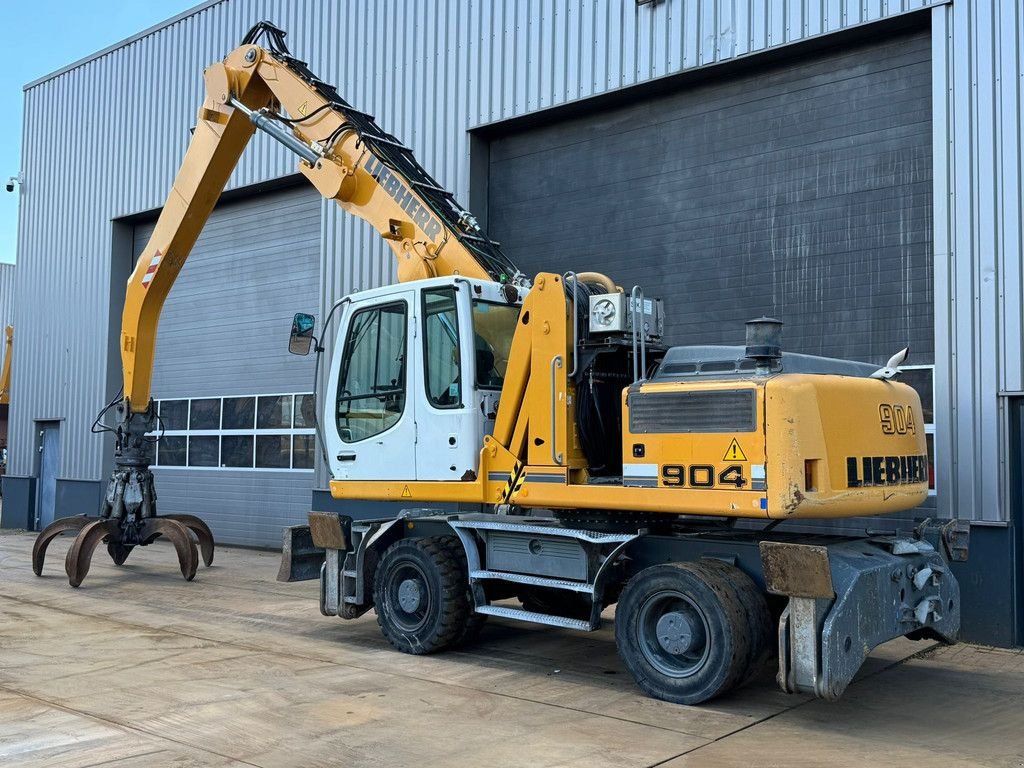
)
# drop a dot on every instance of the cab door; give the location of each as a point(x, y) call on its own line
point(371, 429)
point(448, 412)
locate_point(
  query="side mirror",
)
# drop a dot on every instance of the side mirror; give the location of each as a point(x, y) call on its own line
point(302, 333)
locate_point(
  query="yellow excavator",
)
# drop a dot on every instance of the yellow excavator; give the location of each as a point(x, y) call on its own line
point(5, 373)
point(551, 454)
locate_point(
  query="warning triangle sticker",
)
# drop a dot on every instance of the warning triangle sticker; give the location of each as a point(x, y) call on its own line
point(407, 495)
point(734, 452)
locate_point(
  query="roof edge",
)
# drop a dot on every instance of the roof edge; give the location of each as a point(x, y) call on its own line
point(127, 41)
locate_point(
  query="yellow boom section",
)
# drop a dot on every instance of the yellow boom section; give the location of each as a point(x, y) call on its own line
point(345, 155)
point(5, 375)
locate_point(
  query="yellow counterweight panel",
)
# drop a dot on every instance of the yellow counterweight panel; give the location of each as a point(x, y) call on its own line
point(840, 446)
point(718, 472)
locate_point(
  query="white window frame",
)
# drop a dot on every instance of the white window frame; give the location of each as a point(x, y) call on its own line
point(291, 432)
point(929, 427)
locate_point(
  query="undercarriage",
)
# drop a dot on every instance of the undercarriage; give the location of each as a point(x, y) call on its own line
point(700, 609)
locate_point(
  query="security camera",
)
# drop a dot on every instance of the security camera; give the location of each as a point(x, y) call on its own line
point(11, 182)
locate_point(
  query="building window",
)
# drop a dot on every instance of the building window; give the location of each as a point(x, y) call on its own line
point(257, 432)
point(922, 379)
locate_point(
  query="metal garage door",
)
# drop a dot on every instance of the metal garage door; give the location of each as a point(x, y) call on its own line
point(801, 190)
point(238, 445)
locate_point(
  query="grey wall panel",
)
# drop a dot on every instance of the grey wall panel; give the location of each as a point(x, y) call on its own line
point(6, 294)
point(802, 191)
point(978, 52)
point(224, 328)
point(239, 507)
point(224, 331)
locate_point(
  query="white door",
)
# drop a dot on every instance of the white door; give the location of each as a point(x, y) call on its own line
point(447, 408)
point(371, 429)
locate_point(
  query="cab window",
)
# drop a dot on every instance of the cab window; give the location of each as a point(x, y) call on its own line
point(494, 325)
point(441, 353)
point(371, 385)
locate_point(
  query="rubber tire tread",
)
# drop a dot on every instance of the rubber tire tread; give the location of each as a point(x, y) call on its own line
point(759, 617)
point(447, 576)
point(727, 619)
point(474, 621)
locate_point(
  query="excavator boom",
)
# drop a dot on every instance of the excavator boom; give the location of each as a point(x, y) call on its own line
point(344, 154)
point(349, 159)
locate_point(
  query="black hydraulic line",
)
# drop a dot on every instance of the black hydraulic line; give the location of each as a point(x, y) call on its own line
point(390, 151)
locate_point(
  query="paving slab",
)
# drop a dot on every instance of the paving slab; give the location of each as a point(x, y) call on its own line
point(138, 667)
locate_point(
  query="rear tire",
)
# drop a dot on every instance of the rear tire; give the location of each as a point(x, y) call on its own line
point(420, 595)
point(682, 632)
point(759, 618)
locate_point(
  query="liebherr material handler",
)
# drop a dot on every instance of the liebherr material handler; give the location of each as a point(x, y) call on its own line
point(582, 462)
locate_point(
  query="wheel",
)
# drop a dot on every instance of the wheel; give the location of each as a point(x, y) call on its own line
point(682, 632)
point(759, 617)
point(420, 594)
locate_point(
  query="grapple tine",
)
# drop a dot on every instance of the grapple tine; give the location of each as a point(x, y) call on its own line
point(202, 532)
point(119, 552)
point(79, 557)
point(188, 556)
point(49, 533)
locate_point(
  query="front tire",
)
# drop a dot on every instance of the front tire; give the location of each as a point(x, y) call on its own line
point(420, 594)
point(682, 632)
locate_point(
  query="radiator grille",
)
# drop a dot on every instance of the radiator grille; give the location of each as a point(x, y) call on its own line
point(719, 410)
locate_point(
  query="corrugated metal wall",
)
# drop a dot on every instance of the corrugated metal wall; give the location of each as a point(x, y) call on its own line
point(224, 332)
point(431, 70)
point(7, 274)
point(978, 102)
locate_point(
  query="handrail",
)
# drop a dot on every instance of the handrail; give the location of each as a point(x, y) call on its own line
point(639, 337)
point(575, 321)
point(556, 363)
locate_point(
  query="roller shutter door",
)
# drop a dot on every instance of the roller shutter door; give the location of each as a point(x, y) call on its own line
point(801, 190)
point(223, 340)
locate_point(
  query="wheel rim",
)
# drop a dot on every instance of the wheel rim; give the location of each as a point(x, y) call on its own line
point(409, 596)
point(673, 633)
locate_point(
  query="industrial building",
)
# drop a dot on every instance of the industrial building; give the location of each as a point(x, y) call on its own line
point(852, 168)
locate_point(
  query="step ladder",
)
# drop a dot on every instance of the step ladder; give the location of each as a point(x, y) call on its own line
point(515, 552)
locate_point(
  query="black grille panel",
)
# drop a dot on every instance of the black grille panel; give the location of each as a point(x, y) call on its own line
point(718, 410)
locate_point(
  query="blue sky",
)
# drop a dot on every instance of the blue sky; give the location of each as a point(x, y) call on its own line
point(43, 37)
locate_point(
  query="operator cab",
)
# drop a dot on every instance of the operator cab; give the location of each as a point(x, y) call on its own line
point(415, 378)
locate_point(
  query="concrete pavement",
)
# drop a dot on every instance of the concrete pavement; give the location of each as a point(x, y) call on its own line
point(139, 668)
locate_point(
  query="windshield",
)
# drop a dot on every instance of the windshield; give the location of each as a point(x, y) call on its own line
point(494, 325)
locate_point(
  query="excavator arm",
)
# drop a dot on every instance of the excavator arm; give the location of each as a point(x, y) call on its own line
point(349, 159)
point(343, 153)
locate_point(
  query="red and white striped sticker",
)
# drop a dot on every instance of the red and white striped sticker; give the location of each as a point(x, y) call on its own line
point(153, 264)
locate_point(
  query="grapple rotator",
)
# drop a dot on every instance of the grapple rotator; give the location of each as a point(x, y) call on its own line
point(127, 516)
